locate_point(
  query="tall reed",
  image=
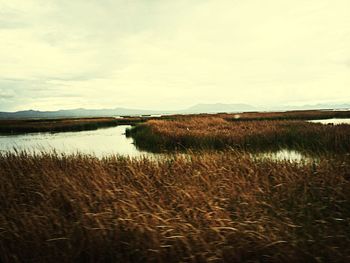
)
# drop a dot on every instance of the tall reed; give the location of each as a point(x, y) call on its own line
point(208, 207)
point(218, 133)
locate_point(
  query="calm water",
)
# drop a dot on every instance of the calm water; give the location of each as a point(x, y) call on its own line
point(103, 142)
point(285, 155)
point(99, 142)
point(332, 121)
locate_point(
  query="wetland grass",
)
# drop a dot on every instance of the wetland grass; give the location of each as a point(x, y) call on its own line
point(208, 207)
point(62, 125)
point(219, 133)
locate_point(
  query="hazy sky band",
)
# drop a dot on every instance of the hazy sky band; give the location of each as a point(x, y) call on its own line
point(161, 54)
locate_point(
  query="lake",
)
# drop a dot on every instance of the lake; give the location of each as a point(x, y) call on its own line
point(109, 141)
point(98, 142)
point(334, 121)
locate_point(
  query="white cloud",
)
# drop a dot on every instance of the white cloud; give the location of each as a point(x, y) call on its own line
point(171, 54)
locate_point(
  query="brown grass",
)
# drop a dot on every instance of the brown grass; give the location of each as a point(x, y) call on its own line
point(59, 125)
point(211, 207)
point(218, 133)
point(79, 124)
point(289, 115)
point(277, 115)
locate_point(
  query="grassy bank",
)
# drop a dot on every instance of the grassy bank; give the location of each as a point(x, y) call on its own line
point(219, 133)
point(212, 207)
point(277, 115)
point(78, 124)
point(289, 115)
point(61, 125)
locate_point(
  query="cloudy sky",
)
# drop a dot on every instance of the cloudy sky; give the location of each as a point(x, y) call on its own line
point(165, 54)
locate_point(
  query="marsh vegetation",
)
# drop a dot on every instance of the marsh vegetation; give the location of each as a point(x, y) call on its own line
point(218, 207)
point(218, 202)
point(219, 133)
point(62, 125)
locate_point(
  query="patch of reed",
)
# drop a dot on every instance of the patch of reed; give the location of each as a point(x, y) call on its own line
point(218, 133)
point(208, 207)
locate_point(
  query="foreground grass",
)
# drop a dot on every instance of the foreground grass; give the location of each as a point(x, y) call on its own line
point(211, 207)
point(219, 133)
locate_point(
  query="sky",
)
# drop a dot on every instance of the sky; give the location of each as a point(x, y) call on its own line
point(167, 55)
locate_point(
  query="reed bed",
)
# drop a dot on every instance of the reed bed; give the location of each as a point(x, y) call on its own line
point(62, 125)
point(208, 207)
point(274, 115)
point(219, 133)
point(289, 115)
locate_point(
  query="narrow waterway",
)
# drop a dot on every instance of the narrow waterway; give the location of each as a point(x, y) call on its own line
point(108, 141)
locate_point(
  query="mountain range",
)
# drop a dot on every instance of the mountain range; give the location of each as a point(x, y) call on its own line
point(196, 109)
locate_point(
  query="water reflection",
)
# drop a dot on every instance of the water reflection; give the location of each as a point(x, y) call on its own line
point(285, 155)
point(104, 142)
point(334, 121)
point(98, 142)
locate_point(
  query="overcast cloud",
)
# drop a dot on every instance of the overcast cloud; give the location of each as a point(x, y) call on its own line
point(163, 54)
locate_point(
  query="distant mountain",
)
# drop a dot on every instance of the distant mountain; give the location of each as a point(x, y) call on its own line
point(196, 109)
point(219, 107)
point(86, 113)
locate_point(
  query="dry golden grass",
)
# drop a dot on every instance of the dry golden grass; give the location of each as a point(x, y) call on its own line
point(59, 125)
point(78, 124)
point(280, 115)
point(219, 133)
point(292, 115)
point(210, 207)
